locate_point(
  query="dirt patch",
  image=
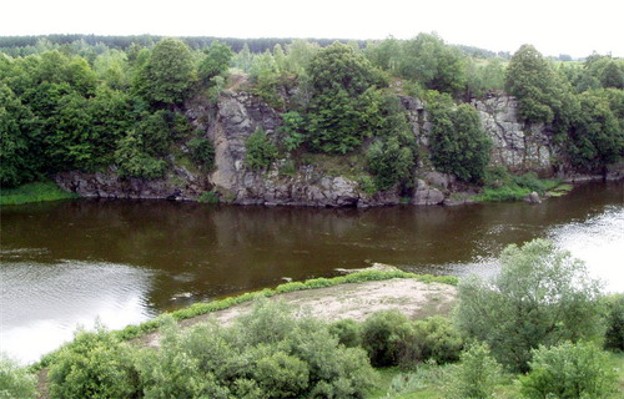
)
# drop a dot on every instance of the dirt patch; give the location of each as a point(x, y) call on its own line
point(356, 301)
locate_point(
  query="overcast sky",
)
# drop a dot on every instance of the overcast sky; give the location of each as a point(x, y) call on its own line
point(553, 26)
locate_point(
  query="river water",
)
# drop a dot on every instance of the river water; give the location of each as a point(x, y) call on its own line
point(66, 264)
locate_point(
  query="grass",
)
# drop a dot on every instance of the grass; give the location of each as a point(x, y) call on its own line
point(34, 192)
point(201, 308)
point(427, 382)
point(500, 186)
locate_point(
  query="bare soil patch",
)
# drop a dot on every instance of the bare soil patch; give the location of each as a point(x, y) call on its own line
point(357, 301)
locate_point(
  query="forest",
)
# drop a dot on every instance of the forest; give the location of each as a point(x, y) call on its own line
point(89, 103)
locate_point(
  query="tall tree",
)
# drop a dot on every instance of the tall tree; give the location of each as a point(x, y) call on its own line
point(344, 106)
point(168, 74)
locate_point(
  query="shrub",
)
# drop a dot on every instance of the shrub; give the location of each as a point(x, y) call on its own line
point(477, 374)
point(267, 353)
point(134, 161)
point(260, 151)
point(15, 382)
point(542, 296)
point(380, 337)
point(209, 197)
point(438, 340)
point(202, 152)
point(95, 365)
point(278, 374)
point(348, 332)
point(390, 162)
point(569, 371)
point(614, 336)
point(292, 130)
point(458, 143)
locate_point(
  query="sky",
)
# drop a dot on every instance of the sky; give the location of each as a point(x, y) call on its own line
point(553, 26)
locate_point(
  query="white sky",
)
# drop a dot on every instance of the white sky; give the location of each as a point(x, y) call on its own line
point(553, 26)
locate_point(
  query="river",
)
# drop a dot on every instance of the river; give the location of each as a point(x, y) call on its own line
point(65, 264)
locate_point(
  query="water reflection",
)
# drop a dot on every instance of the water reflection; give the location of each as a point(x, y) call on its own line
point(43, 304)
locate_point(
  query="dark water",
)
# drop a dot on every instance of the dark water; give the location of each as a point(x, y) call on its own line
point(70, 262)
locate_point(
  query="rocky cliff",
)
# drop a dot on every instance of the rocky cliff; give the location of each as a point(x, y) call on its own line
point(238, 114)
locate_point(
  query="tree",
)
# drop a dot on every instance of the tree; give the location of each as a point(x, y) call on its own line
point(435, 65)
point(533, 82)
point(19, 132)
point(476, 375)
point(216, 61)
point(168, 74)
point(569, 371)
point(542, 296)
point(344, 104)
point(458, 144)
point(597, 138)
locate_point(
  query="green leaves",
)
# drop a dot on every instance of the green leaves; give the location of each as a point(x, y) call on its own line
point(260, 151)
point(569, 371)
point(458, 143)
point(168, 74)
point(542, 296)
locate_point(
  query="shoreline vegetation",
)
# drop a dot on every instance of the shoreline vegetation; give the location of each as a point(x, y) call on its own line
point(513, 188)
point(34, 192)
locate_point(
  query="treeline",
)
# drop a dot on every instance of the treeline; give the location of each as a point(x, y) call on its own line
point(27, 45)
point(91, 106)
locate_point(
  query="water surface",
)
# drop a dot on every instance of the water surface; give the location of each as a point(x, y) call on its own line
point(66, 263)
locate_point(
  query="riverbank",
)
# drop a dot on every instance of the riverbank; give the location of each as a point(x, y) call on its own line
point(355, 296)
point(34, 192)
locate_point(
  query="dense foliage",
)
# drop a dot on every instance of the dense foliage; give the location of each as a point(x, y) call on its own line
point(89, 103)
point(458, 143)
point(15, 382)
point(265, 354)
point(542, 296)
point(569, 371)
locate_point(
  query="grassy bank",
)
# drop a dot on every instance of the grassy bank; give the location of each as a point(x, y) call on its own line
point(33, 192)
point(500, 186)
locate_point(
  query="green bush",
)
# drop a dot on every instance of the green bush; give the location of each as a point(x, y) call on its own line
point(614, 336)
point(278, 374)
point(477, 374)
point(381, 337)
point(389, 162)
point(348, 332)
point(95, 365)
point(542, 296)
point(174, 371)
point(260, 151)
point(292, 130)
point(209, 197)
point(569, 371)
point(202, 152)
point(134, 161)
point(267, 353)
point(458, 143)
point(16, 382)
point(438, 340)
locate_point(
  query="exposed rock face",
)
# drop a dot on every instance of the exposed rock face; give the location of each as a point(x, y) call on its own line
point(238, 114)
point(518, 147)
point(180, 184)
